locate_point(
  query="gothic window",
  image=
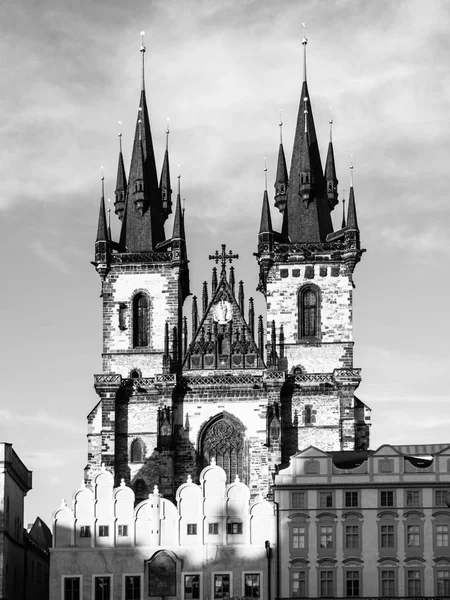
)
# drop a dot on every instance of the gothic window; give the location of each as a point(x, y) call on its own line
point(308, 305)
point(137, 451)
point(224, 441)
point(135, 374)
point(140, 320)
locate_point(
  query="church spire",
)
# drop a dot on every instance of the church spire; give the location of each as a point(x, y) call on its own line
point(309, 217)
point(142, 226)
point(102, 228)
point(164, 183)
point(281, 180)
point(121, 184)
point(265, 227)
point(330, 172)
point(352, 221)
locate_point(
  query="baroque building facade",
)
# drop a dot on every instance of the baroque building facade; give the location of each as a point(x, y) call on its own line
point(179, 390)
point(367, 524)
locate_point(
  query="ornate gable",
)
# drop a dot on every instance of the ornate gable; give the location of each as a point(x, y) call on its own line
point(223, 340)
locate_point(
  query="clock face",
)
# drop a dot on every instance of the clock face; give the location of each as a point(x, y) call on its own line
point(222, 312)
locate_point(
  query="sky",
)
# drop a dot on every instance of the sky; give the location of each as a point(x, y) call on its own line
point(221, 70)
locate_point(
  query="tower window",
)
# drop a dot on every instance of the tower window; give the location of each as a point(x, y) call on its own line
point(137, 451)
point(140, 320)
point(308, 415)
point(309, 312)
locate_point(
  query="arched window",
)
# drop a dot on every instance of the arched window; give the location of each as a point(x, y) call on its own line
point(224, 440)
point(308, 312)
point(140, 320)
point(135, 374)
point(137, 451)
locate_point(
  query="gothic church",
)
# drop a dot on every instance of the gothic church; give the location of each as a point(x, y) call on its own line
point(178, 391)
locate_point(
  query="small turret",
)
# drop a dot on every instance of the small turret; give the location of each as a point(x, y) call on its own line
point(121, 185)
point(164, 183)
point(352, 221)
point(101, 262)
point(281, 180)
point(330, 173)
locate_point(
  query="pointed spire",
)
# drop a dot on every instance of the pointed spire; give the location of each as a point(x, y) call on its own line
point(205, 297)
point(194, 316)
point(241, 297)
point(164, 182)
point(178, 233)
point(304, 43)
point(352, 221)
point(308, 221)
point(343, 210)
point(143, 222)
point(102, 228)
point(232, 280)
point(281, 179)
point(251, 317)
point(185, 336)
point(261, 336)
point(121, 184)
point(214, 281)
point(266, 219)
point(330, 172)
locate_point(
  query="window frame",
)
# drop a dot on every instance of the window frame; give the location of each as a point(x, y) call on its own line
point(382, 504)
point(394, 571)
point(133, 459)
point(111, 589)
point(444, 568)
point(441, 533)
point(326, 499)
point(124, 531)
point(215, 526)
point(298, 569)
point(352, 535)
point(321, 571)
point(355, 493)
point(136, 333)
point(230, 526)
point(301, 496)
point(85, 531)
point(303, 330)
point(141, 577)
point(103, 531)
point(215, 574)
point(191, 528)
point(442, 502)
point(327, 526)
point(347, 571)
point(63, 578)
point(416, 498)
point(261, 582)
point(408, 570)
point(191, 574)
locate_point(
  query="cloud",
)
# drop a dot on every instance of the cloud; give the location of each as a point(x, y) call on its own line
point(49, 256)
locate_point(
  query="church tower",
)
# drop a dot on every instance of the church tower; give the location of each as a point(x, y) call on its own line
point(306, 275)
point(222, 385)
point(145, 280)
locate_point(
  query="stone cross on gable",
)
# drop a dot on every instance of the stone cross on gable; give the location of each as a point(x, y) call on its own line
point(223, 257)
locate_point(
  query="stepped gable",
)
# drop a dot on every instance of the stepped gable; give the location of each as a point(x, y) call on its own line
point(223, 340)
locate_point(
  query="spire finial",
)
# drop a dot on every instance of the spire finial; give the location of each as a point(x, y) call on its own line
point(167, 133)
point(103, 182)
point(305, 112)
point(351, 170)
point(304, 42)
point(120, 135)
point(330, 121)
point(265, 173)
point(280, 124)
point(143, 63)
point(179, 182)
